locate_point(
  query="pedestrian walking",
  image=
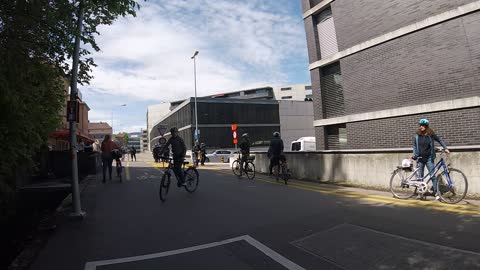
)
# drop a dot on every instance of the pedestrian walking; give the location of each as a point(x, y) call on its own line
point(107, 147)
point(133, 154)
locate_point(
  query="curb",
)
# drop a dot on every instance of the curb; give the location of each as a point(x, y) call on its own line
point(44, 230)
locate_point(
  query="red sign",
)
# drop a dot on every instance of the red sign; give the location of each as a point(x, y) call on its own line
point(235, 141)
point(235, 134)
point(234, 127)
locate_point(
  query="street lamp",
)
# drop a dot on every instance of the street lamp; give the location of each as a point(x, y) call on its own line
point(123, 105)
point(196, 137)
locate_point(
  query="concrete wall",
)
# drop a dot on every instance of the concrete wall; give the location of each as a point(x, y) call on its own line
point(366, 169)
point(296, 120)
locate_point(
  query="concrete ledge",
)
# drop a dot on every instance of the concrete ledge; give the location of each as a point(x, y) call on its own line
point(317, 8)
point(448, 105)
point(370, 168)
point(430, 21)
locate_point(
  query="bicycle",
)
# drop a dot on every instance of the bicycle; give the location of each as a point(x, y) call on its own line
point(191, 179)
point(119, 168)
point(249, 167)
point(281, 170)
point(450, 189)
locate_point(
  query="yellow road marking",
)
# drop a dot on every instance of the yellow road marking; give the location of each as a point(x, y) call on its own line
point(461, 209)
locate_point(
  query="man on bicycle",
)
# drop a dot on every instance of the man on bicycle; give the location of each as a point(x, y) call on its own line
point(179, 150)
point(245, 151)
point(275, 150)
point(424, 150)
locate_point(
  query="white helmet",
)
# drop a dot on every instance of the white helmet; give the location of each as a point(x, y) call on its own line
point(406, 163)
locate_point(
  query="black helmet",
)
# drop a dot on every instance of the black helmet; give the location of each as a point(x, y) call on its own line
point(245, 135)
point(173, 129)
point(276, 134)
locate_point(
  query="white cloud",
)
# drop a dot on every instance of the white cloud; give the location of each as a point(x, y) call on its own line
point(242, 44)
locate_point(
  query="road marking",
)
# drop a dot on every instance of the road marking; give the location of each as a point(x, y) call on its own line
point(454, 208)
point(127, 171)
point(264, 249)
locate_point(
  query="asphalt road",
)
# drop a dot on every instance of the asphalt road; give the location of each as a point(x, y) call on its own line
point(232, 223)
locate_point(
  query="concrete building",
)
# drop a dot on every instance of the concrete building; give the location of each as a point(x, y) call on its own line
point(135, 141)
point(257, 117)
point(144, 140)
point(154, 114)
point(296, 118)
point(379, 66)
point(98, 130)
point(301, 92)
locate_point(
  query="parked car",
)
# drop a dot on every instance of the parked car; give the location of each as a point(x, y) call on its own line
point(217, 156)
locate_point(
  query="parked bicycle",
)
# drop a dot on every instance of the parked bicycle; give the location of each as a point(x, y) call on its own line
point(191, 179)
point(452, 184)
point(281, 170)
point(248, 167)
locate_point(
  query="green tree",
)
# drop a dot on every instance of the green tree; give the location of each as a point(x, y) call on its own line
point(36, 47)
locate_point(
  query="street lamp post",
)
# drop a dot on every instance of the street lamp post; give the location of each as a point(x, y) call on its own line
point(196, 136)
point(123, 105)
point(77, 208)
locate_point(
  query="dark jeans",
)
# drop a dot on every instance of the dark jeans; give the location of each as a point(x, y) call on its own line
point(243, 162)
point(107, 163)
point(430, 166)
point(274, 161)
point(133, 155)
point(177, 169)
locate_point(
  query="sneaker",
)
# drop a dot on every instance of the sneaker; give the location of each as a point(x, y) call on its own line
point(437, 198)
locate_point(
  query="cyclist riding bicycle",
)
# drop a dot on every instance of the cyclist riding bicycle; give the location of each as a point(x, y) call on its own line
point(275, 151)
point(424, 150)
point(179, 150)
point(244, 151)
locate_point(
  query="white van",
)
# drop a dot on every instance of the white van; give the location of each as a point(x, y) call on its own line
point(304, 144)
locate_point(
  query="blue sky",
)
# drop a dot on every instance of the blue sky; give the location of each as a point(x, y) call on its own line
point(146, 60)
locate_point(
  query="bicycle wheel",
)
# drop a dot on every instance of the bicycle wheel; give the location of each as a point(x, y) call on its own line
point(398, 187)
point(191, 180)
point(457, 191)
point(164, 186)
point(250, 170)
point(119, 172)
point(285, 174)
point(236, 167)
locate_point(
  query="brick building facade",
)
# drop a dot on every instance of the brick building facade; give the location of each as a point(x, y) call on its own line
point(379, 66)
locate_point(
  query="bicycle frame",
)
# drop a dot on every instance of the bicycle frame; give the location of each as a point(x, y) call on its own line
point(440, 164)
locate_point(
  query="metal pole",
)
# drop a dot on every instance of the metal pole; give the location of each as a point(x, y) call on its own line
point(195, 82)
point(77, 209)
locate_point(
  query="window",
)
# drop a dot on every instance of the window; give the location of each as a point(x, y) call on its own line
point(287, 97)
point(308, 87)
point(285, 89)
point(327, 35)
point(296, 146)
point(336, 136)
point(331, 85)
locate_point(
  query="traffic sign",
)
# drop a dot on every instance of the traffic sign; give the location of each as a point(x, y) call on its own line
point(234, 134)
point(234, 127)
point(235, 141)
point(162, 140)
point(162, 129)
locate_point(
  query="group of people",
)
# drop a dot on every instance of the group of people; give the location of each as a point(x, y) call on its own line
point(199, 153)
point(423, 151)
point(275, 151)
point(111, 151)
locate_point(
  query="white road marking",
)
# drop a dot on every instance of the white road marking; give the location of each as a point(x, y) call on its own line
point(264, 249)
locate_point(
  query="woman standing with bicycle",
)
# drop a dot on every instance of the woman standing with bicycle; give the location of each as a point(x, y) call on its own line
point(424, 150)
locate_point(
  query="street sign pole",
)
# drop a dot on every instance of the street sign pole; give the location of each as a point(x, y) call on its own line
point(77, 208)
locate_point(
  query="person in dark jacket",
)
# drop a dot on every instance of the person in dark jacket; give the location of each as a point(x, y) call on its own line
point(107, 147)
point(179, 150)
point(196, 154)
point(275, 150)
point(245, 151)
point(203, 150)
point(424, 150)
point(133, 154)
